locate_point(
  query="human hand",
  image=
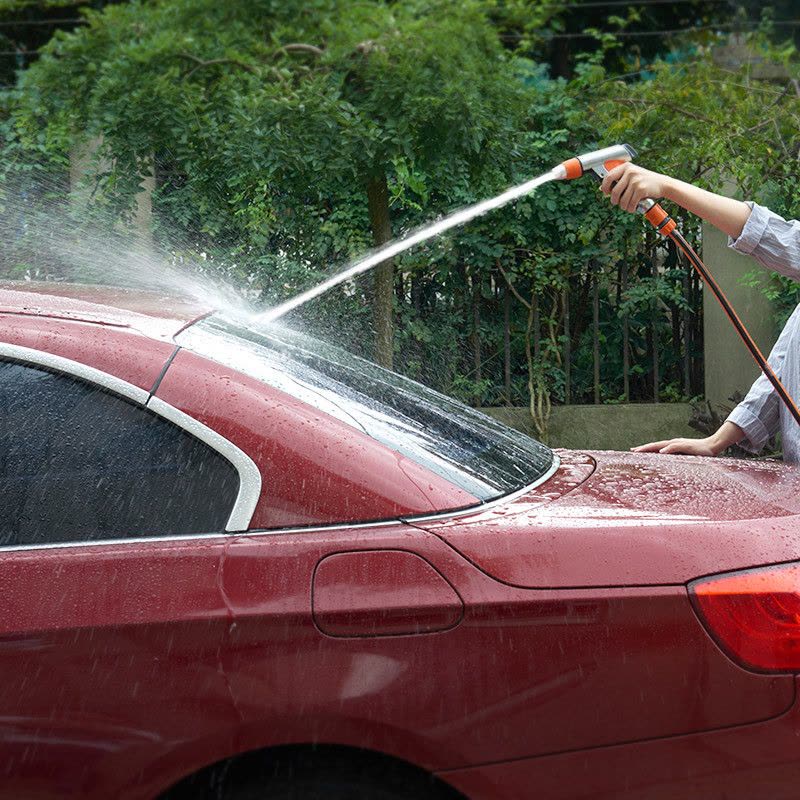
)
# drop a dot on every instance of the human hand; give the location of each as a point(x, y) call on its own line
point(628, 184)
point(689, 447)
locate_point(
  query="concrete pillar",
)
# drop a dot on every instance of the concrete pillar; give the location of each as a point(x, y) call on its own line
point(84, 164)
point(728, 364)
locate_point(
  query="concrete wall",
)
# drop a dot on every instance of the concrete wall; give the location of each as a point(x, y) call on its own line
point(84, 163)
point(605, 427)
point(728, 364)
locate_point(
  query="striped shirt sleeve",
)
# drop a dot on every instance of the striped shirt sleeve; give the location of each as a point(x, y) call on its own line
point(771, 240)
point(775, 243)
point(758, 415)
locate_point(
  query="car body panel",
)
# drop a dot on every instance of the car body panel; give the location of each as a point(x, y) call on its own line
point(127, 666)
point(741, 763)
point(101, 688)
point(382, 593)
point(646, 519)
point(104, 652)
point(157, 315)
point(316, 469)
point(122, 352)
point(524, 672)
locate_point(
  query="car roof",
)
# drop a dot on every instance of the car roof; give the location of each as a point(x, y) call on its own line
point(131, 334)
point(155, 314)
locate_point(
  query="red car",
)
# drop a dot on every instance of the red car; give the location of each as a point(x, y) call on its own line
point(238, 563)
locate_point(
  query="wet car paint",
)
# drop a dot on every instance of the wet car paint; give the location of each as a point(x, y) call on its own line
point(125, 667)
point(121, 352)
point(382, 593)
point(317, 470)
point(741, 763)
point(184, 653)
point(645, 520)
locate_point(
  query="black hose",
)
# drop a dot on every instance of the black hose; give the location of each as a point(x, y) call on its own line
point(762, 362)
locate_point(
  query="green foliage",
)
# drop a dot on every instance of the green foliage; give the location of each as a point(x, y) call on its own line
point(711, 123)
point(722, 126)
point(263, 120)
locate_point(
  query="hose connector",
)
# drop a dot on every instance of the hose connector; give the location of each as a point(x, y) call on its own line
point(657, 217)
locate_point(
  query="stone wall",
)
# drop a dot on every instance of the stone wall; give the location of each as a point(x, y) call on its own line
point(729, 367)
point(605, 427)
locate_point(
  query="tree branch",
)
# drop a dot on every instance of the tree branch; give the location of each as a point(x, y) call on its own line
point(301, 47)
point(678, 109)
point(201, 63)
point(513, 288)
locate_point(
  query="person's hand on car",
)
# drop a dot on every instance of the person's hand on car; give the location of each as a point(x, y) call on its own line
point(727, 434)
point(689, 447)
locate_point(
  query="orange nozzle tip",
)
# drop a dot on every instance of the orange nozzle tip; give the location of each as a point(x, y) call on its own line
point(573, 168)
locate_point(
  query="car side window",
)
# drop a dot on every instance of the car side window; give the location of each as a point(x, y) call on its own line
point(78, 463)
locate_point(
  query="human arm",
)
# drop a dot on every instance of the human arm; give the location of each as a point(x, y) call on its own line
point(628, 184)
point(752, 229)
point(752, 422)
point(726, 435)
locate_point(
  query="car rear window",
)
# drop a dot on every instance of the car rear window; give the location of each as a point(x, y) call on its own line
point(468, 448)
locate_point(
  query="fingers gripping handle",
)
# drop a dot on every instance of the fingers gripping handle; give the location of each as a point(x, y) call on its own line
point(652, 211)
point(599, 163)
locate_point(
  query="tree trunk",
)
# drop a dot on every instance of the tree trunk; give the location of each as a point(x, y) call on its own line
point(507, 343)
point(654, 323)
point(567, 350)
point(476, 335)
point(383, 278)
point(626, 352)
point(417, 290)
point(596, 335)
point(687, 334)
point(579, 311)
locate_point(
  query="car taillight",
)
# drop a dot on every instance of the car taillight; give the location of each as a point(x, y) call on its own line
point(754, 615)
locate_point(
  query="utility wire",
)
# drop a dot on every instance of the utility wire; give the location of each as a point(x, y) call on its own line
point(671, 32)
point(30, 23)
point(785, 23)
point(614, 3)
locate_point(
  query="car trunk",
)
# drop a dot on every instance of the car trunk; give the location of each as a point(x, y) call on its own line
point(600, 553)
point(625, 519)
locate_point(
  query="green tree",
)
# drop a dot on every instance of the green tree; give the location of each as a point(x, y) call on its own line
point(727, 119)
point(293, 107)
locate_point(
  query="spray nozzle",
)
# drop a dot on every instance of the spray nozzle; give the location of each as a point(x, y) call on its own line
point(598, 163)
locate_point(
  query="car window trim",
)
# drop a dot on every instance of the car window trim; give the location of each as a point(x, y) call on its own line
point(495, 501)
point(290, 531)
point(249, 475)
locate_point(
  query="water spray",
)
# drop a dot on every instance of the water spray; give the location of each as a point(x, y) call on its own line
point(598, 164)
point(573, 168)
point(416, 237)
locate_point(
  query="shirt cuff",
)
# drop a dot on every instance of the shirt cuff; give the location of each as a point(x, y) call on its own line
point(756, 433)
point(753, 230)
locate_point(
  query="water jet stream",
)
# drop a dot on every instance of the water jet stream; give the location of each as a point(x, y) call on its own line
point(398, 246)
